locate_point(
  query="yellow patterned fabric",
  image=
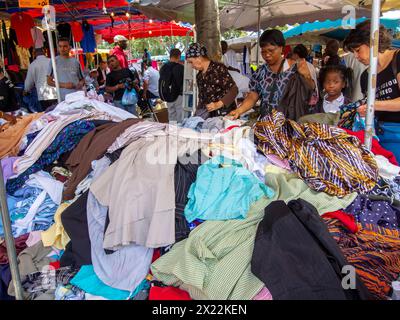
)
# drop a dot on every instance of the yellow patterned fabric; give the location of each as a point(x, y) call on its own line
point(326, 158)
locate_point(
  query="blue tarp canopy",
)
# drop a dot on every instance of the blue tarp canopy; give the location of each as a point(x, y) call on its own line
point(334, 29)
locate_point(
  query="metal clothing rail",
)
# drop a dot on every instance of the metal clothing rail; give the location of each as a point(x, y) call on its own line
point(373, 72)
point(9, 239)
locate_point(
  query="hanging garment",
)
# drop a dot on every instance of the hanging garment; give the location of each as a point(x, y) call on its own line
point(77, 32)
point(327, 158)
point(24, 57)
point(88, 43)
point(312, 267)
point(92, 147)
point(22, 23)
point(374, 252)
point(125, 268)
point(8, 45)
point(37, 37)
point(65, 141)
point(223, 190)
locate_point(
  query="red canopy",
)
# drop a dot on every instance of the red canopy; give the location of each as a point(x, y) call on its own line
point(137, 29)
point(134, 25)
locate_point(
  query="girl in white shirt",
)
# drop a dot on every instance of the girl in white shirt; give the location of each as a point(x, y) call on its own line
point(336, 82)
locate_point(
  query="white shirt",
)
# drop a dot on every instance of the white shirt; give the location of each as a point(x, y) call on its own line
point(152, 76)
point(333, 106)
point(230, 59)
point(37, 76)
point(242, 82)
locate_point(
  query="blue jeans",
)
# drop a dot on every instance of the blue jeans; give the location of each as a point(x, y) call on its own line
point(129, 108)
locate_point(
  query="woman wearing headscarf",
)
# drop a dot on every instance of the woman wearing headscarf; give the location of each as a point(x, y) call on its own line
point(387, 106)
point(269, 82)
point(217, 89)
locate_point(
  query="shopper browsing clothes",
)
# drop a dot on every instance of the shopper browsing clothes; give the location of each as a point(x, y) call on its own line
point(271, 79)
point(171, 85)
point(387, 106)
point(118, 80)
point(69, 72)
point(36, 77)
point(217, 90)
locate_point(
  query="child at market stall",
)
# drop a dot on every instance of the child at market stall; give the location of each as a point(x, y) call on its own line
point(336, 81)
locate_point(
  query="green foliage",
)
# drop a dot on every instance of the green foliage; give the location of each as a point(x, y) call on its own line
point(233, 34)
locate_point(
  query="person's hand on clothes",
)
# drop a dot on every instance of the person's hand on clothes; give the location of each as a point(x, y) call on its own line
point(214, 106)
point(362, 110)
point(235, 114)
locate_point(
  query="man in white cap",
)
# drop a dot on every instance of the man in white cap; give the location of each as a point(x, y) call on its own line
point(118, 51)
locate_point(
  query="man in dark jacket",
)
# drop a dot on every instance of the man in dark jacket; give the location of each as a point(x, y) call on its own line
point(171, 86)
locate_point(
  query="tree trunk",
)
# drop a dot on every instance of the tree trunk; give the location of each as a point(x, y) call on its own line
point(208, 27)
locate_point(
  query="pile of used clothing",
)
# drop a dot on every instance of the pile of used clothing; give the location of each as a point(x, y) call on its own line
point(107, 206)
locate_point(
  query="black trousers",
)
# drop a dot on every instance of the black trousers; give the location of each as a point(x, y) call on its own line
point(297, 258)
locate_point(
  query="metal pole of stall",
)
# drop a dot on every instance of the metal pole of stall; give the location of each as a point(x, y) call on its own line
point(8, 236)
point(373, 71)
point(2, 53)
point(259, 32)
point(48, 20)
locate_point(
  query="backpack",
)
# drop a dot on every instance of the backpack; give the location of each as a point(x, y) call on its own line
point(167, 87)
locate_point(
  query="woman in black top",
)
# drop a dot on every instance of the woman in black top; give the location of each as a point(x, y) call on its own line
point(387, 106)
point(217, 90)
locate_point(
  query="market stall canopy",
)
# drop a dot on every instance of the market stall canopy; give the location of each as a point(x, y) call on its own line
point(108, 17)
point(334, 29)
point(139, 29)
point(386, 5)
point(243, 14)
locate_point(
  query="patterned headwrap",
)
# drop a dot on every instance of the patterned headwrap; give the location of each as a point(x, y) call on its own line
point(196, 50)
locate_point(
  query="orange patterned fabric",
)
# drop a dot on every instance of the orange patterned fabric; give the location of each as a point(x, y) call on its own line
point(325, 157)
point(11, 135)
point(374, 252)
